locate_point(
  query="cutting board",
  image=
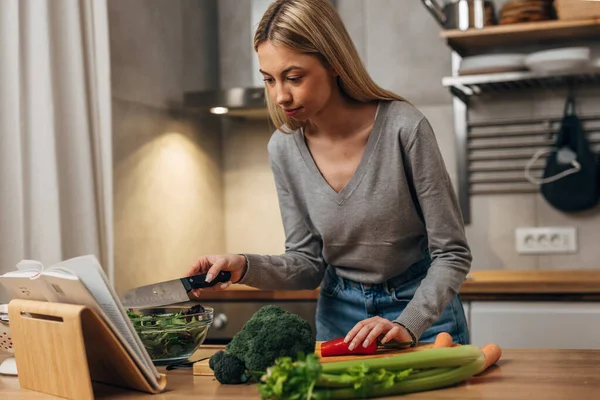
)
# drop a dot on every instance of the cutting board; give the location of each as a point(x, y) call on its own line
point(201, 367)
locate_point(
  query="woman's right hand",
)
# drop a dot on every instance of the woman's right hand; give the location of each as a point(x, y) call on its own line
point(212, 265)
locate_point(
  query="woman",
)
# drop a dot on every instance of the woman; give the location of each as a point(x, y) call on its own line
point(367, 205)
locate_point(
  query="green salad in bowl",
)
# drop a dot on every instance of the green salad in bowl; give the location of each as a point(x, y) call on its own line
point(172, 333)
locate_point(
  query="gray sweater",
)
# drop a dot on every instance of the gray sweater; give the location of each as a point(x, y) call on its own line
point(399, 203)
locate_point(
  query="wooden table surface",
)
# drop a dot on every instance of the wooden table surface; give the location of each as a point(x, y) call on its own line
point(528, 374)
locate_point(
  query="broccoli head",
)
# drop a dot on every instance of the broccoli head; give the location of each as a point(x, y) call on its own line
point(216, 358)
point(269, 334)
point(228, 368)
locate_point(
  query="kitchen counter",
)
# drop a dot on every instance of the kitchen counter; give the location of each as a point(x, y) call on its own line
point(530, 374)
point(567, 285)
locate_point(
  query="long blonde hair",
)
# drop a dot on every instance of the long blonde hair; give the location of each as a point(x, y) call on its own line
point(314, 27)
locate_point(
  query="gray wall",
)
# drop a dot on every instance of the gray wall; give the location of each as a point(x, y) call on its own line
point(168, 192)
point(235, 43)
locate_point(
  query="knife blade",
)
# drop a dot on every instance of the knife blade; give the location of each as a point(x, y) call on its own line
point(169, 292)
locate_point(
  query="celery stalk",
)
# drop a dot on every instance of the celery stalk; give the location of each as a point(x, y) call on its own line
point(335, 381)
point(448, 378)
point(430, 358)
point(370, 377)
point(428, 372)
point(440, 380)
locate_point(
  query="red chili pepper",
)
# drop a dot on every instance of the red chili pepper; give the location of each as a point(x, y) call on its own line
point(337, 347)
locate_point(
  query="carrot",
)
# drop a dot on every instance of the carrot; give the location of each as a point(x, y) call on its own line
point(443, 339)
point(492, 353)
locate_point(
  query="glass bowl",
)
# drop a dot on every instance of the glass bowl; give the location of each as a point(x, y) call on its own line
point(172, 333)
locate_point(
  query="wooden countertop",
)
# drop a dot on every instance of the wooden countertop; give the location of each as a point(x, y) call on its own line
point(576, 285)
point(532, 374)
point(532, 285)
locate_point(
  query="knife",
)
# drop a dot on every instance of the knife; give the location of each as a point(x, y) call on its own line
point(169, 292)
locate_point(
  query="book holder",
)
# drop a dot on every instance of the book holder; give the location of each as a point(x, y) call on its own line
point(61, 348)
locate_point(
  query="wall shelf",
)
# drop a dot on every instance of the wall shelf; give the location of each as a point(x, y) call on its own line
point(477, 40)
point(470, 85)
point(472, 172)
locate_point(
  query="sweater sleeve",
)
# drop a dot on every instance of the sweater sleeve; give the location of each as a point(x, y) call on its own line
point(450, 253)
point(302, 265)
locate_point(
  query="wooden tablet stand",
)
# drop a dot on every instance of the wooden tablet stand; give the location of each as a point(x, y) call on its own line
point(61, 348)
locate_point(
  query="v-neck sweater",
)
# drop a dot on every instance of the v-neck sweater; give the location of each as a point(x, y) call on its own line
point(398, 205)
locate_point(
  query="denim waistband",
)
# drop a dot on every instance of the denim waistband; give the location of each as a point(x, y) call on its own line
point(416, 270)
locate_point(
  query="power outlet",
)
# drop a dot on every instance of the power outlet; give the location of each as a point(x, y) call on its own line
point(546, 240)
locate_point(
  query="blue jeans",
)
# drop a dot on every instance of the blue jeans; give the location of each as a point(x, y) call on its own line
point(342, 303)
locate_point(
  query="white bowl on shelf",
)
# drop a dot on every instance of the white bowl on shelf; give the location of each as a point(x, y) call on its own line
point(8, 366)
point(492, 63)
point(559, 60)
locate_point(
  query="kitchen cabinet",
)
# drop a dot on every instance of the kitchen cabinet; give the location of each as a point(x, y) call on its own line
point(521, 324)
point(533, 308)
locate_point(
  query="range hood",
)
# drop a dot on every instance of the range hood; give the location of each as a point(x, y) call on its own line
point(241, 90)
point(248, 102)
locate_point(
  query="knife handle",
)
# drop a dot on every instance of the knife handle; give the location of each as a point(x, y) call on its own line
point(199, 281)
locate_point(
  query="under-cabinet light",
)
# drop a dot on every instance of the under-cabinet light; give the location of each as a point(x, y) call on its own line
point(219, 110)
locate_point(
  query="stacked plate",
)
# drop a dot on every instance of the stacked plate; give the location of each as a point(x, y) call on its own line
point(492, 63)
point(544, 62)
point(559, 60)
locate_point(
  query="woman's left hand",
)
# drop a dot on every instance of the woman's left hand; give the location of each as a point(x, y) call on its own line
point(368, 330)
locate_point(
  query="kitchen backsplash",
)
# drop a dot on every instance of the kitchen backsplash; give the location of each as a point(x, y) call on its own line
point(168, 192)
point(252, 219)
point(495, 217)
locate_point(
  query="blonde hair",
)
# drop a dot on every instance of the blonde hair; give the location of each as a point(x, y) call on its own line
point(314, 27)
